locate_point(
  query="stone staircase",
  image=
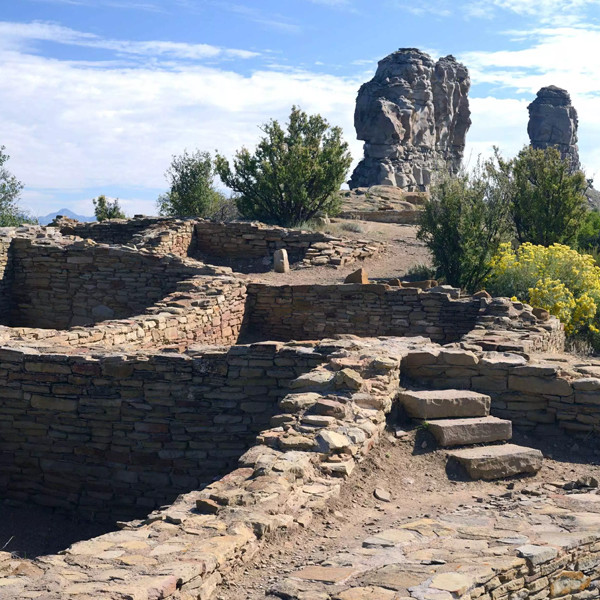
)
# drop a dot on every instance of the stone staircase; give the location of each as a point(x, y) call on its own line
point(462, 418)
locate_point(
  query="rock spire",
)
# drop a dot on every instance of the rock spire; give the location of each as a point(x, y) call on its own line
point(413, 117)
point(553, 122)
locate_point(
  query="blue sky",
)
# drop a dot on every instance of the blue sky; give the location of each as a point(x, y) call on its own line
point(97, 95)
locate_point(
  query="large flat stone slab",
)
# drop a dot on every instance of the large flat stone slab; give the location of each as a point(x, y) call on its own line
point(463, 432)
point(444, 404)
point(497, 462)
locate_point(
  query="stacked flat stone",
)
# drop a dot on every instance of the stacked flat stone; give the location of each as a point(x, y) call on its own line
point(255, 240)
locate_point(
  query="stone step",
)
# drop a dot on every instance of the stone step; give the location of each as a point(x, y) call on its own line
point(463, 432)
point(444, 404)
point(497, 462)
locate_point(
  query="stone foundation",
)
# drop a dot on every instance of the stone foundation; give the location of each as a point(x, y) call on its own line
point(119, 435)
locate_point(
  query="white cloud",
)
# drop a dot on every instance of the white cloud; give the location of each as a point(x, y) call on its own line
point(70, 126)
point(570, 12)
point(23, 34)
point(565, 56)
point(73, 126)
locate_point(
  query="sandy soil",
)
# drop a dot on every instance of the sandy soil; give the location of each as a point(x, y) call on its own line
point(404, 251)
point(420, 486)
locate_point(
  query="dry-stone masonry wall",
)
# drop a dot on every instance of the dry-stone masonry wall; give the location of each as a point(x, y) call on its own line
point(5, 277)
point(62, 285)
point(544, 397)
point(205, 309)
point(255, 240)
point(314, 311)
point(383, 204)
point(330, 417)
point(413, 117)
point(118, 435)
point(210, 240)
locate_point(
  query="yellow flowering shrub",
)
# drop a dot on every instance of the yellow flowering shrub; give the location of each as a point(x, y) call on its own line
point(556, 278)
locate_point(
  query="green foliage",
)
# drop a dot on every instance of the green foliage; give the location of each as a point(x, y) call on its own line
point(293, 175)
point(192, 192)
point(107, 209)
point(466, 220)
point(556, 278)
point(10, 191)
point(420, 272)
point(588, 236)
point(549, 202)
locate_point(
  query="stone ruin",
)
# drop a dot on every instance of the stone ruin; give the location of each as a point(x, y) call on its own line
point(141, 382)
point(413, 117)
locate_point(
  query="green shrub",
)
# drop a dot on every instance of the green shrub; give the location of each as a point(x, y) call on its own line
point(354, 227)
point(107, 209)
point(420, 272)
point(549, 203)
point(192, 192)
point(588, 236)
point(466, 220)
point(10, 192)
point(293, 175)
point(556, 278)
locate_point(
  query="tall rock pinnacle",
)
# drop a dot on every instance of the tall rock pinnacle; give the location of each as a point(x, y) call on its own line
point(553, 122)
point(413, 117)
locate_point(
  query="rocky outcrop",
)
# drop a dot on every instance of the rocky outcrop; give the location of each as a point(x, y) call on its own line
point(553, 122)
point(413, 117)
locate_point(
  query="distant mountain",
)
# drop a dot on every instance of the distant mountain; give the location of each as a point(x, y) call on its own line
point(65, 212)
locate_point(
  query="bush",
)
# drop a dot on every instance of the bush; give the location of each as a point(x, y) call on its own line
point(10, 191)
point(549, 202)
point(556, 278)
point(106, 209)
point(420, 272)
point(293, 175)
point(465, 221)
point(588, 236)
point(192, 192)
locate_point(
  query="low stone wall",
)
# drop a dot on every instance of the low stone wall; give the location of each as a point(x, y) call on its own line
point(542, 398)
point(314, 311)
point(5, 276)
point(255, 240)
point(118, 435)
point(206, 309)
point(114, 231)
point(60, 285)
point(331, 416)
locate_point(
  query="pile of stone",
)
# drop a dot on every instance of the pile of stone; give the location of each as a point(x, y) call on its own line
point(383, 204)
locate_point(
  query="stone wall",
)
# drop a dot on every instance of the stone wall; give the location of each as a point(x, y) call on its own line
point(543, 398)
point(255, 240)
point(328, 421)
point(5, 275)
point(114, 231)
point(332, 415)
point(118, 435)
point(61, 285)
point(206, 309)
point(315, 311)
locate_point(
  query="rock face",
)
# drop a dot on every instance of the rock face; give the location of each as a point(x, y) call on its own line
point(553, 122)
point(413, 117)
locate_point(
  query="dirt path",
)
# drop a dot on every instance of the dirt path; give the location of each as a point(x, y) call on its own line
point(403, 252)
point(419, 488)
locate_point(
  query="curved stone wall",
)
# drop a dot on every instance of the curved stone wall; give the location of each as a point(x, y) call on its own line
point(118, 435)
point(61, 285)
